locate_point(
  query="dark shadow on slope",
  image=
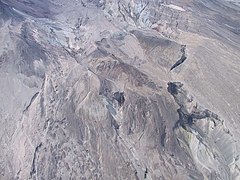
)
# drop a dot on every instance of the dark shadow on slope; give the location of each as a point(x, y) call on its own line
point(182, 59)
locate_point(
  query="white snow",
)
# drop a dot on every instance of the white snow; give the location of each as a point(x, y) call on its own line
point(172, 6)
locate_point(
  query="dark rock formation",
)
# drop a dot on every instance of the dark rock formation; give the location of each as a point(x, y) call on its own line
point(182, 59)
point(119, 96)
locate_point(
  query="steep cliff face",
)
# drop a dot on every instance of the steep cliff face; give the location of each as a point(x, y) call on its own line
point(119, 89)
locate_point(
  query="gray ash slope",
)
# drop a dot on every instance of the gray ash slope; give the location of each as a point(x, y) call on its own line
point(87, 92)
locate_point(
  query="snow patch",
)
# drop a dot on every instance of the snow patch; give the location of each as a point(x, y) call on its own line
point(172, 6)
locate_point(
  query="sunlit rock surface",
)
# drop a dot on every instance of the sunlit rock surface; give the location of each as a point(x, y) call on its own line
point(120, 89)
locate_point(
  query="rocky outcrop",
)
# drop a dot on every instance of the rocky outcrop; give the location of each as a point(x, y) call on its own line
point(204, 135)
point(181, 60)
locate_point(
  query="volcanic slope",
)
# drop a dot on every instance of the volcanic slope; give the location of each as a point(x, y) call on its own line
point(120, 89)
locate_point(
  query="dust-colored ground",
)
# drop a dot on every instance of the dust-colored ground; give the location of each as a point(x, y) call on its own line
point(120, 89)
